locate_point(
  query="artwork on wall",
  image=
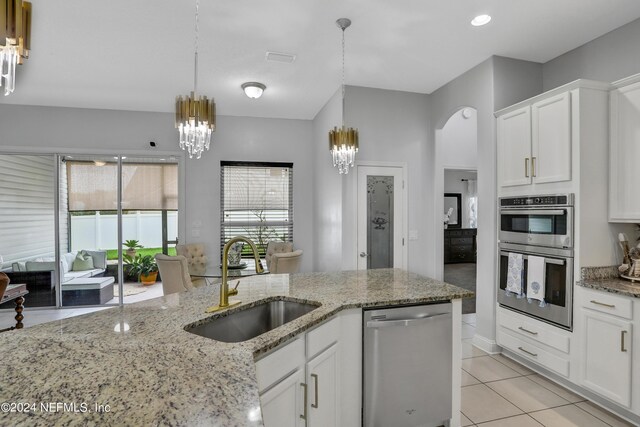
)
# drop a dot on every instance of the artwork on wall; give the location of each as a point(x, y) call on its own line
point(452, 210)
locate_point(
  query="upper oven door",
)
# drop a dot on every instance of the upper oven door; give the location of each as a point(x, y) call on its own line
point(549, 226)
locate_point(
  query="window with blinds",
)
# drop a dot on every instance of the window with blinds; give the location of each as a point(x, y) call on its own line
point(256, 201)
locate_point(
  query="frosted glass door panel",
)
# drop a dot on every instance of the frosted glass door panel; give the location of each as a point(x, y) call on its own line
point(380, 221)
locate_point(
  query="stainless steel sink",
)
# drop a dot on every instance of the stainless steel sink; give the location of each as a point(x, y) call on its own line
point(245, 324)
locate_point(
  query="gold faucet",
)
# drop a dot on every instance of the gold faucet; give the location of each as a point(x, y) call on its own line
point(225, 292)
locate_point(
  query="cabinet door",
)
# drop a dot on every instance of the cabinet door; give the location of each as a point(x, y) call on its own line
point(282, 405)
point(551, 143)
point(606, 354)
point(323, 382)
point(624, 203)
point(514, 148)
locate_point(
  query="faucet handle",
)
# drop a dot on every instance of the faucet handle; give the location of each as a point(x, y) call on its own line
point(234, 291)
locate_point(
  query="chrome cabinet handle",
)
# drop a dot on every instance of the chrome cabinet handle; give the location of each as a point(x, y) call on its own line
point(363, 255)
point(602, 304)
point(526, 167)
point(622, 349)
point(533, 167)
point(315, 382)
point(528, 352)
point(527, 331)
point(304, 411)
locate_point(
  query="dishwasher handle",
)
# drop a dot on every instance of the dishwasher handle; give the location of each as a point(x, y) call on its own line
point(404, 322)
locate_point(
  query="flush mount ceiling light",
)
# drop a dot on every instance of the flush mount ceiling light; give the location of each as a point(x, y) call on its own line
point(480, 20)
point(15, 40)
point(195, 115)
point(253, 89)
point(343, 142)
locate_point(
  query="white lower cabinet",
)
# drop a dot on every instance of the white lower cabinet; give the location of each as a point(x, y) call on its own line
point(606, 323)
point(282, 405)
point(301, 383)
point(323, 388)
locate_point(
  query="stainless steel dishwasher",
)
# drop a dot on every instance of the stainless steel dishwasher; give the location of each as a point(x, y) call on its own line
point(407, 366)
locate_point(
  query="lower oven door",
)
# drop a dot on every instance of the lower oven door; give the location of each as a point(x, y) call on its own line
point(558, 272)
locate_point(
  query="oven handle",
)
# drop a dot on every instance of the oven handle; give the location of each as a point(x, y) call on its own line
point(546, 260)
point(554, 212)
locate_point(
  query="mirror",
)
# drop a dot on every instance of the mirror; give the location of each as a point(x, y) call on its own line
point(452, 210)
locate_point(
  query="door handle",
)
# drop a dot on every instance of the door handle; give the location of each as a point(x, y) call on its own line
point(404, 322)
point(622, 334)
point(315, 382)
point(533, 167)
point(363, 254)
point(526, 167)
point(602, 304)
point(305, 400)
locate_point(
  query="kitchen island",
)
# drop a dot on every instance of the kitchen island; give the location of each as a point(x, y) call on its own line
point(136, 365)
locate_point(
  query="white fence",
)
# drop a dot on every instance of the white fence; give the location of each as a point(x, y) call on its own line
point(101, 231)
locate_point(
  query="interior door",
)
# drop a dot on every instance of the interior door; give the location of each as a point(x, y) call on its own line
point(380, 216)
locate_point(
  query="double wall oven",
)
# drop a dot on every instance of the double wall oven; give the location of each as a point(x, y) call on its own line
point(539, 226)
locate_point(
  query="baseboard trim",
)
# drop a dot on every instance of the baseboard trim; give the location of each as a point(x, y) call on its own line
point(485, 344)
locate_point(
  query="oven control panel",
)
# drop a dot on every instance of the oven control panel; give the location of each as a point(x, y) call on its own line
point(553, 200)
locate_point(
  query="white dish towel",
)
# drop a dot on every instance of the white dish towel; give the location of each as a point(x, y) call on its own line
point(535, 279)
point(515, 271)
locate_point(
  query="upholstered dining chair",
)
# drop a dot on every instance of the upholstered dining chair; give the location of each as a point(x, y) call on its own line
point(194, 253)
point(174, 273)
point(281, 258)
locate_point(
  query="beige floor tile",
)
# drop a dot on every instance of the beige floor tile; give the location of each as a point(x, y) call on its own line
point(512, 364)
point(519, 421)
point(469, 350)
point(486, 368)
point(464, 421)
point(526, 394)
point(557, 389)
point(468, 331)
point(480, 404)
point(567, 416)
point(602, 414)
point(468, 379)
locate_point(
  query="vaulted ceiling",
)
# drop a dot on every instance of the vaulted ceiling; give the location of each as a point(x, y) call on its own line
point(138, 55)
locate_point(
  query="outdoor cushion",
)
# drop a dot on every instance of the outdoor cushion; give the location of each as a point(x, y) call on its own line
point(99, 259)
point(76, 274)
point(19, 266)
point(83, 262)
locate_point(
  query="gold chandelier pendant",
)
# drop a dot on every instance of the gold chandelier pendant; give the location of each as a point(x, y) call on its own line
point(15, 40)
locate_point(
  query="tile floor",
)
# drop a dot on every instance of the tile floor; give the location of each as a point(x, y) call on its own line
point(498, 392)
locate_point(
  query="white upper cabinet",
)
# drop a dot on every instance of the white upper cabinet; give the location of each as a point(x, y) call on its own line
point(624, 203)
point(534, 143)
point(551, 139)
point(514, 148)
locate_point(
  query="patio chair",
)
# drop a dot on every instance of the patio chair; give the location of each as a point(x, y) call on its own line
point(174, 273)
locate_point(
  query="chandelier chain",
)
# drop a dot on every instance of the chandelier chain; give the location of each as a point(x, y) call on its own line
point(343, 90)
point(195, 65)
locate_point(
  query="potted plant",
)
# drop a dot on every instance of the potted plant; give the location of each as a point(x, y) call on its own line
point(144, 268)
point(131, 246)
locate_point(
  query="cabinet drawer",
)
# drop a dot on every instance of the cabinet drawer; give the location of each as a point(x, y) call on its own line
point(462, 241)
point(606, 302)
point(534, 330)
point(279, 364)
point(533, 352)
point(453, 233)
point(323, 336)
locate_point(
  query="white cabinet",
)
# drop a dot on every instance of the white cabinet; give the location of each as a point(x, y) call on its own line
point(283, 404)
point(534, 143)
point(624, 203)
point(323, 382)
point(514, 147)
point(607, 354)
point(301, 383)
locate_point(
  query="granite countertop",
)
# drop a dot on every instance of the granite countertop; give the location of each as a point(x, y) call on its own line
point(607, 279)
point(139, 361)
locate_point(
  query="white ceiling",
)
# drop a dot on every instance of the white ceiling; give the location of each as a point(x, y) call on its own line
point(138, 55)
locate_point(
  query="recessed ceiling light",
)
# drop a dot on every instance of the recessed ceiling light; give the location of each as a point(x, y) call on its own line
point(480, 20)
point(253, 89)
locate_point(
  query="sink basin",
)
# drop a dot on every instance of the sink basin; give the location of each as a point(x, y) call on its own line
point(249, 323)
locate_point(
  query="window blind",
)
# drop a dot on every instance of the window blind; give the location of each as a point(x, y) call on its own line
point(256, 201)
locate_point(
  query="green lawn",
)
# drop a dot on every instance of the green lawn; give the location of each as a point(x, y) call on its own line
point(113, 253)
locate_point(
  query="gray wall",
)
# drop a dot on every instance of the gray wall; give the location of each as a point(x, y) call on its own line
point(71, 130)
point(608, 58)
point(515, 81)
